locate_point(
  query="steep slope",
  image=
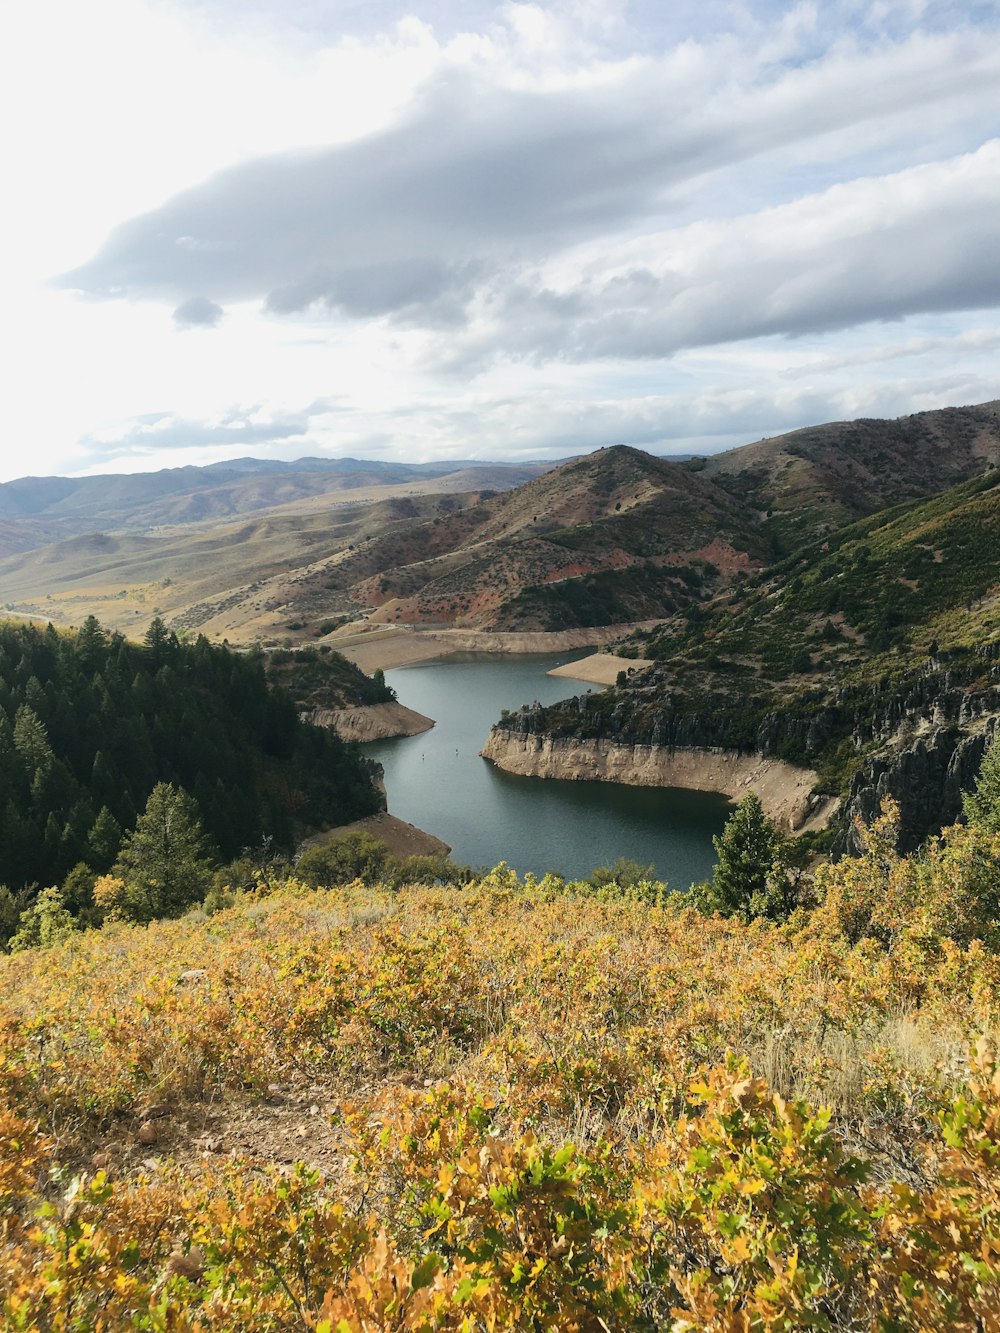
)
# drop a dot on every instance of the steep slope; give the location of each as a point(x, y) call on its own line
point(814, 480)
point(871, 657)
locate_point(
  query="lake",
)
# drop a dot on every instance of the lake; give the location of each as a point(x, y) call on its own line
point(438, 781)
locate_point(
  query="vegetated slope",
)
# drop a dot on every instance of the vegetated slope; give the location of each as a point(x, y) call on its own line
point(814, 480)
point(39, 510)
point(879, 643)
point(618, 535)
point(242, 580)
point(519, 1106)
point(89, 723)
point(319, 678)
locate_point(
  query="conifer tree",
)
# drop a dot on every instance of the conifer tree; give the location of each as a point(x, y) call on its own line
point(165, 861)
point(982, 805)
point(746, 849)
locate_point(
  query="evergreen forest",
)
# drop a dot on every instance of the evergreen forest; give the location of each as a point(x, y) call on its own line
point(90, 723)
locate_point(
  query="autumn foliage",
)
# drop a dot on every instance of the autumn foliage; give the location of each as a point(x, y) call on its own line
point(537, 1107)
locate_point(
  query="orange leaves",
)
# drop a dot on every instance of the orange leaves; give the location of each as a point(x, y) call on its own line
point(537, 1121)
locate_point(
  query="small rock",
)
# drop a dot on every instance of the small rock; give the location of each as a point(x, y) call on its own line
point(190, 1265)
point(100, 1161)
point(147, 1132)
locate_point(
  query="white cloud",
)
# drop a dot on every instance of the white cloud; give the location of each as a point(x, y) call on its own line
point(589, 208)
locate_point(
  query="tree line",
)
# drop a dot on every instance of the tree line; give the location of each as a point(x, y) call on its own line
point(91, 723)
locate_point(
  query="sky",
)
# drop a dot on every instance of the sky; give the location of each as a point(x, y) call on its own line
point(451, 229)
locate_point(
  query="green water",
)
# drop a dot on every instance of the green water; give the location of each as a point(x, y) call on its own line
point(438, 781)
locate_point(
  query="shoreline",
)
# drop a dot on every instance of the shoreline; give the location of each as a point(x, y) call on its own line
point(401, 838)
point(396, 645)
point(786, 792)
point(371, 722)
point(600, 668)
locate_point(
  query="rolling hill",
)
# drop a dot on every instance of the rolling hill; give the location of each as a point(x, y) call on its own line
point(35, 511)
point(615, 536)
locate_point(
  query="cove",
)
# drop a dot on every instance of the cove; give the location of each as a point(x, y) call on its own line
point(438, 781)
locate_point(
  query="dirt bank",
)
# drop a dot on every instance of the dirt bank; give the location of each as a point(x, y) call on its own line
point(401, 838)
point(373, 722)
point(600, 668)
point(784, 790)
point(399, 645)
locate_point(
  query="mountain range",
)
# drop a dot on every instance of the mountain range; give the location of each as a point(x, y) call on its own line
point(257, 549)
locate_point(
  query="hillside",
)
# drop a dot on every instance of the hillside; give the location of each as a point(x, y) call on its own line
point(35, 511)
point(509, 1106)
point(814, 480)
point(871, 655)
point(90, 723)
point(616, 536)
point(240, 581)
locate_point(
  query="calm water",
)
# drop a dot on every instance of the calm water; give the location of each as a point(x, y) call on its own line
point(438, 782)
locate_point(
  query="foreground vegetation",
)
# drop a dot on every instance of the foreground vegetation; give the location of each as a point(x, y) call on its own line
point(535, 1105)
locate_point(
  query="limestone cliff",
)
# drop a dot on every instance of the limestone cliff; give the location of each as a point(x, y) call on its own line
point(371, 722)
point(785, 791)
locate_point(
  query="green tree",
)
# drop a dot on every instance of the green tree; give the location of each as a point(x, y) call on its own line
point(982, 804)
point(103, 841)
point(165, 861)
point(349, 857)
point(12, 904)
point(747, 881)
point(624, 874)
point(46, 922)
point(31, 741)
point(91, 643)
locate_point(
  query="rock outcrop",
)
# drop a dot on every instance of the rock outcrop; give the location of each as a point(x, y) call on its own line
point(371, 722)
point(786, 792)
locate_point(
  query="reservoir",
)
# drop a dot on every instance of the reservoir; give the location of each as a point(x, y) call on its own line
point(438, 781)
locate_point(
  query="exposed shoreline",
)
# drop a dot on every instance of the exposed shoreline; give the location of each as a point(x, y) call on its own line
point(600, 668)
point(371, 722)
point(786, 792)
point(388, 646)
point(401, 838)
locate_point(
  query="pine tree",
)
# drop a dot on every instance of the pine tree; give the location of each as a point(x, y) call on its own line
point(982, 805)
point(165, 861)
point(103, 841)
point(746, 849)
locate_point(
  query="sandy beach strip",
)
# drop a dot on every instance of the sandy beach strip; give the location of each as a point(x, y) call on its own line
point(600, 668)
point(396, 645)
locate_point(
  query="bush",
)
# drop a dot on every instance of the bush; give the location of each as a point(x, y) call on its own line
point(344, 859)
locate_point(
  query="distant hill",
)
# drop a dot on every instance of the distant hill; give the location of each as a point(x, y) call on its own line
point(35, 511)
point(263, 550)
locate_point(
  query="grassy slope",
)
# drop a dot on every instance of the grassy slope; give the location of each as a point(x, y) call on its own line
point(322, 1025)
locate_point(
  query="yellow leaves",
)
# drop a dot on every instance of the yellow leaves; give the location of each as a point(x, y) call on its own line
point(693, 1185)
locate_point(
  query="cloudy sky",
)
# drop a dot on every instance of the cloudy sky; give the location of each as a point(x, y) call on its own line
point(459, 229)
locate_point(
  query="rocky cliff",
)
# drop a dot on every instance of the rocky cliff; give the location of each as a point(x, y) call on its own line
point(918, 737)
point(786, 792)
